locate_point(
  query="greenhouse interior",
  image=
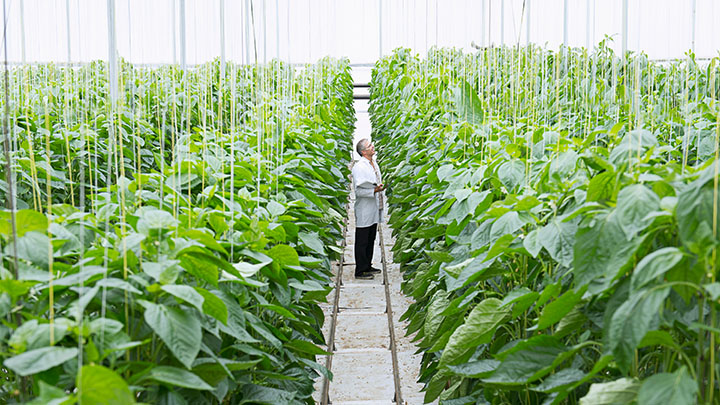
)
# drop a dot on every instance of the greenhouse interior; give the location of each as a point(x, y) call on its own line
point(360, 202)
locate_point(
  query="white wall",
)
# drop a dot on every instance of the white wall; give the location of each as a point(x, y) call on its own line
point(305, 30)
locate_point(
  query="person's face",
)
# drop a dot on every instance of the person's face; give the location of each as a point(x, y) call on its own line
point(369, 150)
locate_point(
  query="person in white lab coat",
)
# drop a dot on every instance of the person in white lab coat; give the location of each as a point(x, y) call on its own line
point(368, 208)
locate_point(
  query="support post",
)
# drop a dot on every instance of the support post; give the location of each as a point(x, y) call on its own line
point(222, 38)
point(264, 22)
point(277, 29)
point(587, 25)
point(23, 57)
point(67, 31)
point(380, 30)
point(483, 38)
point(247, 32)
point(502, 23)
point(527, 27)
point(112, 53)
point(183, 55)
point(624, 27)
point(692, 25)
point(174, 32)
point(565, 23)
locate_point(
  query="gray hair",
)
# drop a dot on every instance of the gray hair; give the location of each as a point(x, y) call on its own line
point(362, 145)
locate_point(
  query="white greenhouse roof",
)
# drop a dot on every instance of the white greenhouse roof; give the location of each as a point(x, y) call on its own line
point(151, 31)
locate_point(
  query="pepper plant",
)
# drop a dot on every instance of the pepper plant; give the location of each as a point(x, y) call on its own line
point(556, 222)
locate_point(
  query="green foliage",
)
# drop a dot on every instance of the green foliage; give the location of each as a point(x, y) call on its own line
point(555, 222)
point(175, 248)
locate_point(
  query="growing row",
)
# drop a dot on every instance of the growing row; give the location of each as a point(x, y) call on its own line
point(172, 245)
point(556, 217)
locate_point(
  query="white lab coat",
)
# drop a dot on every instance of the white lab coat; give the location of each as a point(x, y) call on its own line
point(367, 204)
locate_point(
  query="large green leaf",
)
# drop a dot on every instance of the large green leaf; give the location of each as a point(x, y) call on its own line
point(102, 386)
point(199, 266)
point(479, 327)
point(312, 240)
point(560, 380)
point(563, 164)
point(35, 361)
point(556, 310)
point(213, 306)
point(33, 247)
point(305, 347)
point(631, 321)
point(602, 252)
point(694, 210)
point(154, 219)
point(655, 265)
point(511, 173)
point(284, 255)
point(50, 395)
point(507, 224)
point(467, 104)
point(601, 187)
point(187, 294)
point(25, 221)
point(177, 377)
point(528, 361)
point(467, 206)
point(434, 319)
point(475, 369)
point(179, 329)
point(677, 388)
point(634, 203)
point(252, 393)
point(165, 272)
point(618, 392)
point(558, 238)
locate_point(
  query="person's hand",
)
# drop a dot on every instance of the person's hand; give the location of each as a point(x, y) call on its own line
point(379, 188)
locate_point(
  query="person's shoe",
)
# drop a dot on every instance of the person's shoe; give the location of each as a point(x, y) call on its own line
point(374, 270)
point(364, 276)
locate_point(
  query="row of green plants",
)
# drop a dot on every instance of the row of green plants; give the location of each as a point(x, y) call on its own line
point(171, 246)
point(556, 222)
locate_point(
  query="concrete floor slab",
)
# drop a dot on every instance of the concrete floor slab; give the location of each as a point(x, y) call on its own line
point(366, 376)
point(362, 331)
point(362, 298)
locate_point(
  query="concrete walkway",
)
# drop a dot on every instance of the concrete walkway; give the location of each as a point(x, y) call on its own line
point(362, 361)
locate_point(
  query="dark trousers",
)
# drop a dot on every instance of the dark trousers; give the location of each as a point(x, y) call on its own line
point(364, 246)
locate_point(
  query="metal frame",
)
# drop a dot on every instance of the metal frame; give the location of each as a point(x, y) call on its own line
point(112, 52)
point(183, 49)
point(624, 28)
point(565, 23)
